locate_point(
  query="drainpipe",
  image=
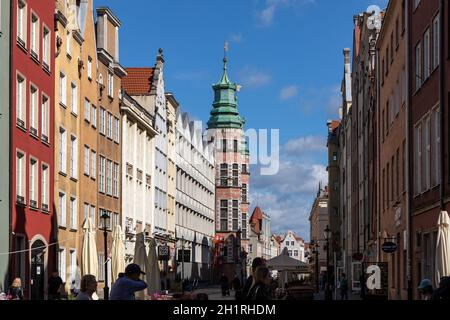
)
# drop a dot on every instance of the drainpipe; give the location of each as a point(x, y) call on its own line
point(378, 208)
point(11, 237)
point(409, 180)
point(442, 101)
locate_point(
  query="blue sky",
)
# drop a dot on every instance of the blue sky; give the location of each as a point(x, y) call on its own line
point(286, 54)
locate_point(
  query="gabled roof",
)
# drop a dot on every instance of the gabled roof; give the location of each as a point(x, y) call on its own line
point(256, 217)
point(138, 82)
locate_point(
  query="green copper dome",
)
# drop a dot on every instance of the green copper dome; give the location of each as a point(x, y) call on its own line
point(224, 113)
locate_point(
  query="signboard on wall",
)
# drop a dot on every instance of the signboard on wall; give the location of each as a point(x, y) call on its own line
point(376, 275)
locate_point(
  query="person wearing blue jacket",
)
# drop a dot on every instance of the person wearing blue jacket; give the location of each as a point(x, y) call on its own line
point(126, 286)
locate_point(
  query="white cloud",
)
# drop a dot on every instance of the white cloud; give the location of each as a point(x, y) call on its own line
point(288, 92)
point(265, 16)
point(236, 38)
point(304, 145)
point(252, 77)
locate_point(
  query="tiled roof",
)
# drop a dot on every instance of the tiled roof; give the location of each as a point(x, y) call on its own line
point(256, 217)
point(138, 81)
point(335, 124)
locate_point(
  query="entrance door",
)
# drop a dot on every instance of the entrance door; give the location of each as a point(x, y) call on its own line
point(37, 270)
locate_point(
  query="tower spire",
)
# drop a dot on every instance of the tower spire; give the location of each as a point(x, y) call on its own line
point(225, 79)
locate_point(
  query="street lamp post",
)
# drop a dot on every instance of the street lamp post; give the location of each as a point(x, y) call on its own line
point(105, 221)
point(327, 235)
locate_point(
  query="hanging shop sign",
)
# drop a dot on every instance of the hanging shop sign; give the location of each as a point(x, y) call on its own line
point(389, 247)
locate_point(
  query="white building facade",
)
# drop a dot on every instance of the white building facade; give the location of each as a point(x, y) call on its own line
point(295, 246)
point(195, 200)
point(138, 170)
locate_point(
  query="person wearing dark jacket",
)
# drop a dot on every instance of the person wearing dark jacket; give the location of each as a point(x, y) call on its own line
point(257, 262)
point(15, 291)
point(225, 285)
point(443, 292)
point(260, 291)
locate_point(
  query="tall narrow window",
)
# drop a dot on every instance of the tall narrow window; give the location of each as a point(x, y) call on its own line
point(102, 121)
point(235, 215)
point(223, 215)
point(110, 85)
point(20, 177)
point(92, 215)
point(45, 121)
point(73, 213)
point(116, 129)
point(244, 193)
point(426, 55)
point(426, 153)
point(87, 110)
point(33, 110)
point(224, 174)
point(109, 125)
point(101, 174)
point(235, 146)
point(45, 188)
point(46, 48)
point(69, 44)
point(116, 180)
point(73, 157)
point(86, 160)
point(74, 98)
point(418, 158)
point(109, 177)
point(89, 68)
point(62, 214)
point(33, 183)
point(21, 100)
point(62, 150)
point(73, 265)
point(224, 145)
point(22, 22)
point(35, 36)
point(436, 42)
point(93, 164)
point(418, 66)
point(62, 263)
point(235, 175)
point(93, 116)
point(86, 208)
point(62, 89)
point(435, 140)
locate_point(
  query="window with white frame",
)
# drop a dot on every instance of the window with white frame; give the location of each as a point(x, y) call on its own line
point(110, 85)
point(435, 145)
point(93, 164)
point(74, 98)
point(418, 158)
point(45, 187)
point(116, 129)
point(73, 265)
point(62, 143)
point(109, 168)
point(33, 110)
point(86, 160)
point(22, 22)
point(33, 183)
point(73, 157)
point(418, 66)
point(62, 89)
point(426, 54)
point(436, 42)
point(426, 153)
point(62, 263)
point(73, 213)
point(92, 215)
point(62, 204)
point(86, 208)
point(87, 110)
point(102, 120)
point(101, 174)
point(21, 99)
point(89, 68)
point(46, 48)
point(109, 125)
point(45, 121)
point(20, 177)
point(69, 44)
point(93, 116)
point(116, 180)
point(35, 36)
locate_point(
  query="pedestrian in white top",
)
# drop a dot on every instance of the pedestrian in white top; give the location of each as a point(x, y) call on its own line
point(88, 287)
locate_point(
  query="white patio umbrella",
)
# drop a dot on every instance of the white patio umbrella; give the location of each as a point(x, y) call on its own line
point(443, 248)
point(141, 259)
point(117, 253)
point(89, 257)
point(154, 279)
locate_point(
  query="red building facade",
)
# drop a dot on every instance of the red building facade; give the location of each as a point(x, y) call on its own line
point(32, 144)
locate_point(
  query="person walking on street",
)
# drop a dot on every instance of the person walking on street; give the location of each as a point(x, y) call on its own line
point(443, 292)
point(237, 287)
point(15, 291)
point(343, 286)
point(225, 285)
point(88, 287)
point(54, 286)
point(257, 262)
point(125, 287)
point(260, 290)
